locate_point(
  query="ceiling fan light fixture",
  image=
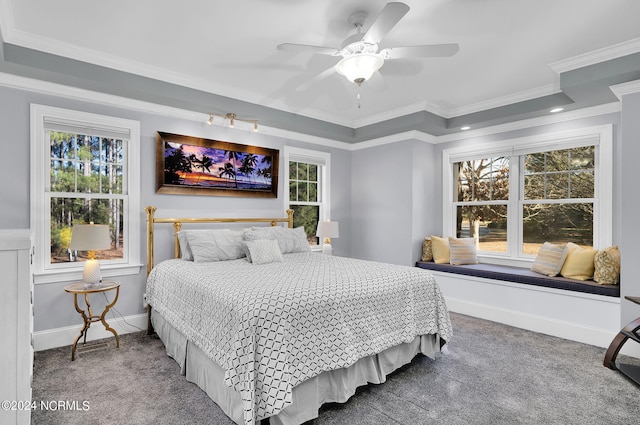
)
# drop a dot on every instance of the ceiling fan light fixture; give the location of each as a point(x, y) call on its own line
point(359, 67)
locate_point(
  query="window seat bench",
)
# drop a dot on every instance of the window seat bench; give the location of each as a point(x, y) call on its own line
point(525, 276)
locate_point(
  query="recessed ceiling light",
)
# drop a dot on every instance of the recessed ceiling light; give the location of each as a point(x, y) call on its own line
point(554, 110)
point(466, 127)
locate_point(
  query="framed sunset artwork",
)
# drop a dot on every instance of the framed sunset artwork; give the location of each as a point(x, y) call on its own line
point(195, 166)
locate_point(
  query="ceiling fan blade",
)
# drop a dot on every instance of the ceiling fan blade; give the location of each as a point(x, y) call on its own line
point(387, 19)
point(321, 50)
point(324, 74)
point(426, 51)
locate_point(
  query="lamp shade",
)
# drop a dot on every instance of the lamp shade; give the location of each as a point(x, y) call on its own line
point(359, 67)
point(328, 229)
point(90, 237)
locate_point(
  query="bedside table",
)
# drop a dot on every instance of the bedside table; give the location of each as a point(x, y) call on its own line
point(79, 289)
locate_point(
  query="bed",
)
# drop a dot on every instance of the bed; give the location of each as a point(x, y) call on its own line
point(269, 329)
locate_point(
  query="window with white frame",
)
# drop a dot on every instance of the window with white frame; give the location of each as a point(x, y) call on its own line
point(307, 180)
point(514, 196)
point(80, 174)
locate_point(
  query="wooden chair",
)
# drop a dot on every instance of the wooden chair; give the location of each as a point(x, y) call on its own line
point(628, 332)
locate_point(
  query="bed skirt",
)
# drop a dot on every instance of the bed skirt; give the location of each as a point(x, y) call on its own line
point(335, 386)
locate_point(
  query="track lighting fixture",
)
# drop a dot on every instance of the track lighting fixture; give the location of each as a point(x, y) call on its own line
point(232, 118)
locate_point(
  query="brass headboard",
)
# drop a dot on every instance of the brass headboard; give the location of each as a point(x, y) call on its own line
point(177, 225)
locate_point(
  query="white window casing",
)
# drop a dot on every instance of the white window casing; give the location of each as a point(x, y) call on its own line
point(323, 161)
point(47, 118)
point(601, 137)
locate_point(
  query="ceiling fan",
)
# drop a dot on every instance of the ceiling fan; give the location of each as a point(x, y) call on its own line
point(359, 52)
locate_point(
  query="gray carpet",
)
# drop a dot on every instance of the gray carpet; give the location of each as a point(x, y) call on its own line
point(493, 374)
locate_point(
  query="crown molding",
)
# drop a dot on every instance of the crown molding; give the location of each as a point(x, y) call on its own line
point(66, 50)
point(393, 138)
point(398, 112)
point(607, 108)
point(601, 55)
point(83, 95)
point(623, 89)
point(510, 99)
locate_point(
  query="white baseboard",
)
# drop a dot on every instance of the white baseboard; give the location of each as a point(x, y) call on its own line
point(571, 331)
point(60, 337)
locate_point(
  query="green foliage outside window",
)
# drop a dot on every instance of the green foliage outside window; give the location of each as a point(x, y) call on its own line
point(304, 197)
point(86, 177)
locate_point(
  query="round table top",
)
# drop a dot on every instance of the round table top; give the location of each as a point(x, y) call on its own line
point(85, 288)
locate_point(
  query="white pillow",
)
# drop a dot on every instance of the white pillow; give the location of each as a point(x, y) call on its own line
point(550, 259)
point(289, 240)
point(462, 251)
point(264, 251)
point(185, 250)
point(215, 247)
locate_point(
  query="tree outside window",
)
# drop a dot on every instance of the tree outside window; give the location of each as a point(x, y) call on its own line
point(482, 194)
point(86, 185)
point(555, 199)
point(558, 192)
point(304, 197)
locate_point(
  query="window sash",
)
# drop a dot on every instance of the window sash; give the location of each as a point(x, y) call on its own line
point(45, 119)
point(600, 137)
point(323, 161)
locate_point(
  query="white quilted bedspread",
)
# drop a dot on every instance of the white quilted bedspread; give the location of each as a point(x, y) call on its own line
point(275, 325)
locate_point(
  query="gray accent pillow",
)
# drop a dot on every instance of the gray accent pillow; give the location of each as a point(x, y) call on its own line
point(289, 240)
point(185, 250)
point(217, 247)
point(264, 251)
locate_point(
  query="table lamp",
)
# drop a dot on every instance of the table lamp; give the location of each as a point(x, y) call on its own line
point(92, 238)
point(326, 231)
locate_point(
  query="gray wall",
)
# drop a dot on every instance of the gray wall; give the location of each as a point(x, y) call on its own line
point(630, 205)
point(53, 307)
point(396, 201)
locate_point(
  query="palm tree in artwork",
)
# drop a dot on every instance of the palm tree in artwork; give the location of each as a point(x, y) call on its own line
point(249, 164)
point(228, 170)
point(233, 157)
point(203, 163)
point(266, 172)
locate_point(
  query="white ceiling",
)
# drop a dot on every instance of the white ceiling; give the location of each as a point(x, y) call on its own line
point(229, 48)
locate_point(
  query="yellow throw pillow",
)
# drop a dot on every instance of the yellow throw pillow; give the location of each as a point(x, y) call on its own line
point(462, 251)
point(440, 248)
point(579, 263)
point(607, 266)
point(427, 252)
point(550, 259)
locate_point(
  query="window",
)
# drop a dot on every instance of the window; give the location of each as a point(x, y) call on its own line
point(482, 201)
point(514, 196)
point(79, 174)
point(558, 197)
point(307, 180)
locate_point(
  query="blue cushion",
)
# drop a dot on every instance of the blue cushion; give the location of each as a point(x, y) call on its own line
point(522, 275)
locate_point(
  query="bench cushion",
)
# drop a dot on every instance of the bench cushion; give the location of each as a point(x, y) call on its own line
point(525, 276)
